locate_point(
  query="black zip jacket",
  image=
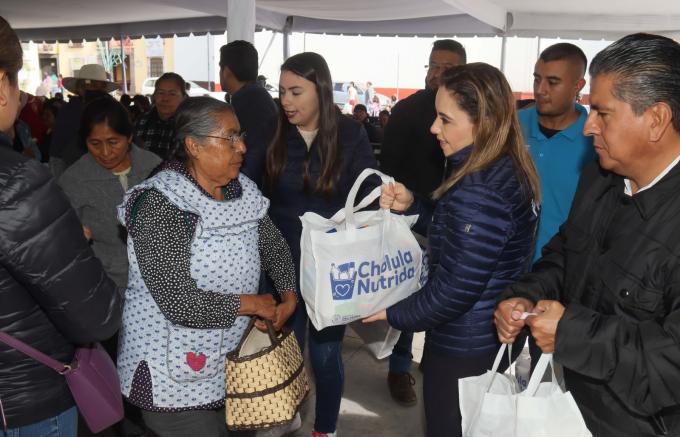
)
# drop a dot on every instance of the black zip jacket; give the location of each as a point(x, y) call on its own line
point(615, 265)
point(53, 291)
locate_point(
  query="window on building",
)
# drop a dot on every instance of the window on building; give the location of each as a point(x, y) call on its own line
point(155, 67)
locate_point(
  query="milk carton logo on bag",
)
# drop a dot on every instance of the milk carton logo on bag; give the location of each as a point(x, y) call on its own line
point(371, 276)
point(342, 281)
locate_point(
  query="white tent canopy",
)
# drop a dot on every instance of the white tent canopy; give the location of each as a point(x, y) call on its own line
point(78, 19)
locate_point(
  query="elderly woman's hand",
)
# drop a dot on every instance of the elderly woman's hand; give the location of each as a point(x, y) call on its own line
point(283, 312)
point(285, 309)
point(261, 305)
point(395, 197)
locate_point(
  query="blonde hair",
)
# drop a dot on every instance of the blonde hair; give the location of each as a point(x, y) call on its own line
point(485, 95)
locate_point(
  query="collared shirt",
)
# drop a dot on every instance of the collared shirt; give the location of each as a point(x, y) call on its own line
point(559, 161)
point(629, 191)
point(154, 134)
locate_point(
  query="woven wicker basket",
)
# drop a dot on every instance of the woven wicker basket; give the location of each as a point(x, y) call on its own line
point(267, 387)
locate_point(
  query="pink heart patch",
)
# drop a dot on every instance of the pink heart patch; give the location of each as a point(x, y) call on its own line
point(196, 362)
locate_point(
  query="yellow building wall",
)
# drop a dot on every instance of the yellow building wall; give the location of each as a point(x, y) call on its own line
point(169, 55)
point(139, 66)
point(72, 57)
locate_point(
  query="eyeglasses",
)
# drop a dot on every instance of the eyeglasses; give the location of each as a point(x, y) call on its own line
point(233, 139)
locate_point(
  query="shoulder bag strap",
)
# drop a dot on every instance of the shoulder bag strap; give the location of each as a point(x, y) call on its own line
point(33, 353)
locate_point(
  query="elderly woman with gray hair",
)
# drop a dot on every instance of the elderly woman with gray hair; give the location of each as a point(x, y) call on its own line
point(199, 234)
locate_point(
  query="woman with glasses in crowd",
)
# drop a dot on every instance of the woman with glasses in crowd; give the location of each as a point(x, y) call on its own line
point(311, 165)
point(155, 130)
point(198, 236)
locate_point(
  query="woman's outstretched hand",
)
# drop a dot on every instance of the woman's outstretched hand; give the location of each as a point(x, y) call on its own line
point(380, 315)
point(395, 196)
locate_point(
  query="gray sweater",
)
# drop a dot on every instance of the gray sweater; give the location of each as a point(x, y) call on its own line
point(95, 193)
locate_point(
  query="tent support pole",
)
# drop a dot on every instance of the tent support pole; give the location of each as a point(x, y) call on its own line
point(241, 20)
point(286, 37)
point(122, 63)
point(503, 53)
point(266, 51)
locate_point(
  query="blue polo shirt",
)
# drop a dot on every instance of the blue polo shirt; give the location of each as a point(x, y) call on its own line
point(559, 161)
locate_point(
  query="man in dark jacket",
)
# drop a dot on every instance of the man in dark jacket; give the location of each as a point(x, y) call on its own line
point(255, 108)
point(606, 289)
point(411, 154)
point(53, 291)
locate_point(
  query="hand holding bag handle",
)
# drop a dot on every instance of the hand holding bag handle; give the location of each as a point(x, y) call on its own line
point(350, 223)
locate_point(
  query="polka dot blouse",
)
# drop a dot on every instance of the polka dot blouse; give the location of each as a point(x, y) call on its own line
point(162, 233)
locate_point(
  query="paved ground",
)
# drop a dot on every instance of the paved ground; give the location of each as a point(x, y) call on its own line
point(367, 408)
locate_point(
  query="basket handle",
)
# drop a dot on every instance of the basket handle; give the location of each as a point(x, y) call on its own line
point(270, 330)
point(251, 325)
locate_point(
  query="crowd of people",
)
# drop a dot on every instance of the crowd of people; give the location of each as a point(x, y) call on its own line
point(165, 226)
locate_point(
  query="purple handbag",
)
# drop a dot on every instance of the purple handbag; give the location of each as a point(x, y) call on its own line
point(92, 378)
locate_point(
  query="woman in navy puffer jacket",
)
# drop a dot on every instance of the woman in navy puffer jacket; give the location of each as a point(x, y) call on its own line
point(481, 232)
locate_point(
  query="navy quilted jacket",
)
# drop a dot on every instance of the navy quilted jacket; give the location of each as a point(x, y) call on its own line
point(481, 235)
point(289, 200)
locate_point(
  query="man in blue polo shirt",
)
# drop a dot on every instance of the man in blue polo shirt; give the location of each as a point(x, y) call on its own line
point(553, 129)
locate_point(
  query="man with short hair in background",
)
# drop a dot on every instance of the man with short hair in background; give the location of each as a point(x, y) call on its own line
point(412, 155)
point(254, 107)
point(410, 152)
point(553, 129)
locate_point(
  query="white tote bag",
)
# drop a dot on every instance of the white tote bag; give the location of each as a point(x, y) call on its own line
point(379, 337)
point(495, 409)
point(357, 262)
point(545, 409)
point(486, 401)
